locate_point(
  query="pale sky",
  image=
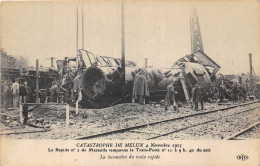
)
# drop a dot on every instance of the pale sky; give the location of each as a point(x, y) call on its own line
point(157, 30)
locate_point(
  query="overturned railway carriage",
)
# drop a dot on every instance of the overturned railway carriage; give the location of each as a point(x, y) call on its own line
point(102, 83)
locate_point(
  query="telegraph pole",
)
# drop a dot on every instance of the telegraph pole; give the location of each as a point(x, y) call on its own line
point(123, 44)
point(250, 65)
point(52, 62)
point(252, 83)
point(82, 29)
point(77, 32)
point(37, 81)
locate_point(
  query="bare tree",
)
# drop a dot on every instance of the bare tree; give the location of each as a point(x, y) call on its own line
point(9, 61)
point(22, 61)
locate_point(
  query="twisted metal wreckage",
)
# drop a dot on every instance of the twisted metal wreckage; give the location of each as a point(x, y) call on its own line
point(103, 84)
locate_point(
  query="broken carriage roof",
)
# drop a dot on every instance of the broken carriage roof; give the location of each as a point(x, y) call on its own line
point(189, 58)
point(93, 59)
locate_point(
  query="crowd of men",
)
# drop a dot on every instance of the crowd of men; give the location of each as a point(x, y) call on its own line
point(17, 91)
point(220, 91)
point(65, 91)
point(13, 93)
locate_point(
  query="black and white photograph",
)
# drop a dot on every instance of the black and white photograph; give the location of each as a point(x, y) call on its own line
point(130, 70)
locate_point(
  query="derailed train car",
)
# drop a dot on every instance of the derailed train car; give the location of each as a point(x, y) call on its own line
point(102, 83)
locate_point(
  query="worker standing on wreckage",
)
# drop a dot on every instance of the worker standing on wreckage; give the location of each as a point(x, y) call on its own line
point(140, 88)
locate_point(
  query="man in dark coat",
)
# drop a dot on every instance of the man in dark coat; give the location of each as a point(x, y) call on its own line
point(244, 92)
point(235, 90)
point(170, 97)
point(25, 112)
point(140, 88)
point(22, 92)
point(198, 95)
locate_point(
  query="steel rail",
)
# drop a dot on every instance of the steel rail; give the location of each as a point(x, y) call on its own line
point(24, 132)
point(232, 137)
point(162, 121)
point(201, 123)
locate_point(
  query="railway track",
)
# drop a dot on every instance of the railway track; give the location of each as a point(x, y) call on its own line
point(133, 128)
point(234, 136)
point(199, 124)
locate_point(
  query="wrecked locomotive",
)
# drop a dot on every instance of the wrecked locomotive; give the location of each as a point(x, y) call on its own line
point(103, 84)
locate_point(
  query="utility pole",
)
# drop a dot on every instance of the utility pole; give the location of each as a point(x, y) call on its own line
point(77, 32)
point(37, 81)
point(82, 29)
point(52, 62)
point(52, 58)
point(250, 65)
point(123, 44)
point(252, 84)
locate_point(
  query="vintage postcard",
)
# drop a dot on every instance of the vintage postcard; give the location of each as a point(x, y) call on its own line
point(130, 82)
